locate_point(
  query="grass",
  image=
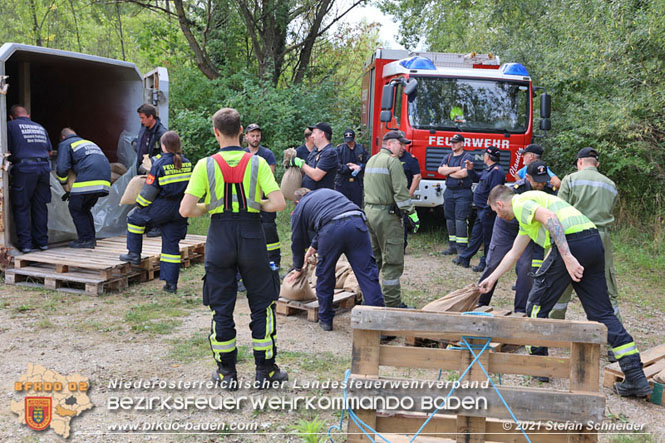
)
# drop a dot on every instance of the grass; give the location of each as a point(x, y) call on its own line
point(310, 431)
point(159, 316)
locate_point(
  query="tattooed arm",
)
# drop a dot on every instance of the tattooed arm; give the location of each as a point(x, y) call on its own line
point(557, 235)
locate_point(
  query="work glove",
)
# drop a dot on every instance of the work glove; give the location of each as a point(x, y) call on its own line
point(297, 162)
point(414, 222)
point(65, 196)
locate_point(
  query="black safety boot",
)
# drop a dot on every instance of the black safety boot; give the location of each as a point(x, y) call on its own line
point(226, 376)
point(268, 374)
point(610, 356)
point(154, 232)
point(171, 288)
point(635, 383)
point(325, 326)
point(82, 244)
point(480, 267)
point(459, 261)
point(452, 250)
point(131, 257)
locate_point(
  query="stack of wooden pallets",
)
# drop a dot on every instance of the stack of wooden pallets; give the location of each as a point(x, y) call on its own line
point(99, 270)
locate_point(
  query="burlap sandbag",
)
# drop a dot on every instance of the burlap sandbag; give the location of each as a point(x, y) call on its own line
point(114, 177)
point(342, 271)
point(292, 178)
point(351, 284)
point(133, 189)
point(461, 300)
point(118, 168)
point(299, 290)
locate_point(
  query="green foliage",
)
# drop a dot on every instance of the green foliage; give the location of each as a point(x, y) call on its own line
point(310, 431)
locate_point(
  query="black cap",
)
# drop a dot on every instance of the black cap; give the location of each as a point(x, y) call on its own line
point(252, 127)
point(534, 149)
point(349, 135)
point(587, 152)
point(457, 138)
point(323, 126)
point(538, 171)
point(396, 135)
point(493, 152)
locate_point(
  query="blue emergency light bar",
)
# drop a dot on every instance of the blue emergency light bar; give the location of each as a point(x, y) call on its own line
point(418, 63)
point(514, 69)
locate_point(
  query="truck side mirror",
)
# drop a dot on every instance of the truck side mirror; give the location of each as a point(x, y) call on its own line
point(386, 116)
point(388, 97)
point(545, 105)
point(545, 124)
point(410, 88)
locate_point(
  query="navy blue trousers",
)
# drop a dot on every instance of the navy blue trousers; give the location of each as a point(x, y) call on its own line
point(481, 234)
point(235, 243)
point(351, 190)
point(457, 210)
point(80, 207)
point(348, 236)
point(268, 221)
point(163, 214)
point(30, 192)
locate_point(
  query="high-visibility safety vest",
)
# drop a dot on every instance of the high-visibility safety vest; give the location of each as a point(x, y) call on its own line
point(525, 206)
point(232, 180)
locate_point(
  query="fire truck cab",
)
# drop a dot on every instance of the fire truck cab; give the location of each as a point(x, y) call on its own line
point(433, 96)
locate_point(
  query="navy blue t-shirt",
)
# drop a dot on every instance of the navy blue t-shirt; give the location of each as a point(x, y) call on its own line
point(302, 152)
point(411, 167)
point(326, 160)
point(266, 154)
point(490, 177)
point(452, 160)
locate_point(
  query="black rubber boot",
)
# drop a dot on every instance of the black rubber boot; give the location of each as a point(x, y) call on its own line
point(635, 383)
point(268, 374)
point(171, 288)
point(131, 257)
point(452, 250)
point(82, 244)
point(226, 376)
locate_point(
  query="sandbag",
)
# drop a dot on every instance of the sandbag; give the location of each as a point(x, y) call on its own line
point(351, 284)
point(118, 168)
point(114, 177)
point(292, 178)
point(298, 290)
point(147, 162)
point(461, 300)
point(133, 190)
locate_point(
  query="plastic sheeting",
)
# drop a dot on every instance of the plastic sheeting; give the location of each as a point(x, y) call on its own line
point(110, 217)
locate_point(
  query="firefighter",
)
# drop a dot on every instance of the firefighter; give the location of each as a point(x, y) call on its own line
point(93, 180)
point(413, 176)
point(231, 183)
point(352, 157)
point(576, 257)
point(303, 150)
point(337, 227)
point(386, 199)
point(530, 154)
point(481, 234)
point(268, 219)
point(29, 189)
point(150, 134)
point(503, 236)
point(157, 205)
point(457, 196)
point(320, 168)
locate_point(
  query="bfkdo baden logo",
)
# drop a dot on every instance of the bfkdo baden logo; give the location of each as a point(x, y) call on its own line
point(45, 399)
point(38, 412)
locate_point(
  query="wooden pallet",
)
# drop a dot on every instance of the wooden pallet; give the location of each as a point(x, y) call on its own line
point(99, 270)
point(654, 362)
point(581, 403)
point(342, 299)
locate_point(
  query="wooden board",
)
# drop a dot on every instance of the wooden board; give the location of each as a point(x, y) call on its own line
point(342, 299)
point(654, 362)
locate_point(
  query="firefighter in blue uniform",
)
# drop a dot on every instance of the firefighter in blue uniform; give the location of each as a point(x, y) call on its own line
point(481, 234)
point(413, 176)
point(503, 236)
point(93, 180)
point(157, 204)
point(457, 196)
point(150, 134)
point(29, 188)
point(352, 157)
point(232, 183)
point(268, 219)
point(303, 150)
point(329, 223)
point(320, 168)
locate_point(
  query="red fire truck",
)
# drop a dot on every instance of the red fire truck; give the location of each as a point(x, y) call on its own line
point(432, 96)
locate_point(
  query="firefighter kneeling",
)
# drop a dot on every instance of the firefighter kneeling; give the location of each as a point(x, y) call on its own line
point(232, 182)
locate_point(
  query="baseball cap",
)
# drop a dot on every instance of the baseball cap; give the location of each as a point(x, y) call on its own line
point(396, 135)
point(457, 138)
point(323, 126)
point(252, 127)
point(493, 152)
point(349, 135)
point(587, 152)
point(533, 148)
point(538, 171)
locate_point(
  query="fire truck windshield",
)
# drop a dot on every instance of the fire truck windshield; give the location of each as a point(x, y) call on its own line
point(472, 105)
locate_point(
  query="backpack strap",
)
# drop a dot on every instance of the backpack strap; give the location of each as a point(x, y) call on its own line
point(233, 178)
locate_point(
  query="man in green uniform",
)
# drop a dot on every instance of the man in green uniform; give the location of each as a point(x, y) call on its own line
point(386, 199)
point(595, 196)
point(231, 183)
point(576, 257)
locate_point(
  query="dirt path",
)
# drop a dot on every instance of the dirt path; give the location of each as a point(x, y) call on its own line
point(143, 334)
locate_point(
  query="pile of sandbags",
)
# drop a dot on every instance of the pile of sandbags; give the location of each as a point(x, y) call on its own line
point(461, 300)
point(117, 171)
point(133, 190)
point(292, 178)
point(300, 289)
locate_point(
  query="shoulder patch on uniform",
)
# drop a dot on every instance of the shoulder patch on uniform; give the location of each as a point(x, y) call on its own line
point(150, 179)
